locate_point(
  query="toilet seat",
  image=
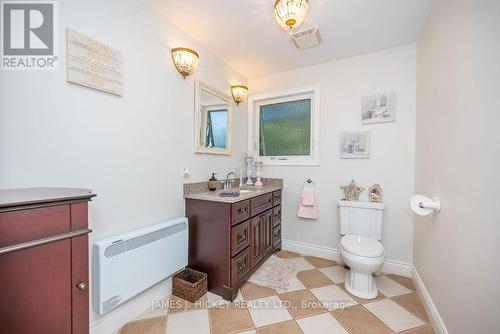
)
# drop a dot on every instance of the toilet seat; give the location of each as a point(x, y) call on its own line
point(362, 246)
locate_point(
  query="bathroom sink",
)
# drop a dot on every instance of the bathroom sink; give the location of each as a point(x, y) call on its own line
point(245, 191)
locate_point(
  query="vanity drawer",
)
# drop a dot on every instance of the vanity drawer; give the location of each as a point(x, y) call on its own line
point(239, 238)
point(277, 216)
point(261, 204)
point(277, 235)
point(276, 197)
point(28, 225)
point(240, 266)
point(240, 212)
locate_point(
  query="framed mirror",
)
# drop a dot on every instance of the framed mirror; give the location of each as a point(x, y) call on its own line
point(213, 120)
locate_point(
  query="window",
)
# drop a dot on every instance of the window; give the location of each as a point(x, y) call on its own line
point(285, 127)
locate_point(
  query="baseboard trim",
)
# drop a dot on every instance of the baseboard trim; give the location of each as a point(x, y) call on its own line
point(114, 320)
point(389, 266)
point(430, 308)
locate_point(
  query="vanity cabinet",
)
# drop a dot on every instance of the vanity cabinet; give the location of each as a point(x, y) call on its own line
point(44, 261)
point(229, 241)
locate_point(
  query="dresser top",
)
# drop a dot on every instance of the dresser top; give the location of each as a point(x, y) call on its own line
point(32, 196)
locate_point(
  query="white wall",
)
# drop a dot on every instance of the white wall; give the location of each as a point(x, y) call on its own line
point(342, 84)
point(129, 150)
point(457, 159)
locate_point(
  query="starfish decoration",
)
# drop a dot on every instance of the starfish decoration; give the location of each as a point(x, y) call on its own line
point(351, 191)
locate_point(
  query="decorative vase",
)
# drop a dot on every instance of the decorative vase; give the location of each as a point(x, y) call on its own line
point(258, 182)
point(249, 172)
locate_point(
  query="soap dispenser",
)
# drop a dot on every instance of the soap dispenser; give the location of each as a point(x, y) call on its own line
point(212, 183)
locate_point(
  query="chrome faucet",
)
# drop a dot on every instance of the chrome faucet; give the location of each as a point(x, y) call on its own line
point(228, 184)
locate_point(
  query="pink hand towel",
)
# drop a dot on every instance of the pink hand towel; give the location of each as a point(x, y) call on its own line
point(307, 204)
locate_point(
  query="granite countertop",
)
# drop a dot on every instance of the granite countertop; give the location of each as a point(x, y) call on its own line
point(200, 191)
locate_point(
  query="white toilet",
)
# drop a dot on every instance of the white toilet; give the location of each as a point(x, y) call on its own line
point(361, 250)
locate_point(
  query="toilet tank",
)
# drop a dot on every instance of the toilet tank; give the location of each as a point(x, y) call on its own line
point(361, 218)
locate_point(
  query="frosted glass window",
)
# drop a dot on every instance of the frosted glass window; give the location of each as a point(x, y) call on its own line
point(285, 128)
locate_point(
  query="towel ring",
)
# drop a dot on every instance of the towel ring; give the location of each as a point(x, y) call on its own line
point(308, 181)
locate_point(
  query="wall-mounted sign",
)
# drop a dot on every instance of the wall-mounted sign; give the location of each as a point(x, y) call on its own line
point(93, 64)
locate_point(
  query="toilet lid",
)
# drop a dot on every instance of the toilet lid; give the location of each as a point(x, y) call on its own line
point(362, 246)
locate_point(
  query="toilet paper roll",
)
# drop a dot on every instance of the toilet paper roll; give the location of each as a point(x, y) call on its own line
point(423, 205)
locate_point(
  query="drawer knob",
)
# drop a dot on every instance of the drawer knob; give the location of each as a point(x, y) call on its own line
point(81, 286)
point(241, 266)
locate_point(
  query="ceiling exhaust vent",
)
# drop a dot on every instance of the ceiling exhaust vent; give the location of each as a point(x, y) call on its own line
point(307, 38)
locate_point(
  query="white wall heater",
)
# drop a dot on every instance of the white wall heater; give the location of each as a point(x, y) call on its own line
point(128, 264)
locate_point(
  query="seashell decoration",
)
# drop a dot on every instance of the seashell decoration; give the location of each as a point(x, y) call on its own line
point(351, 191)
point(375, 193)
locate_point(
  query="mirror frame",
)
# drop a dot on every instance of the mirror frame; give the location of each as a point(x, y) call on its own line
point(199, 120)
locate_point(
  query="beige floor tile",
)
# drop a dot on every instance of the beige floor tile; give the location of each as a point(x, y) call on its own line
point(287, 327)
point(154, 325)
point(357, 320)
point(318, 262)
point(302, 303)
point(404, 281)
point(411, 302)
point(229, 319)
point(251, 291)
point(380, 296)
point(390, 288)
point(301, 264)
point(268, 310)
point(321, 323)
point(313, 278)
point(393, 315)
point(333, 297)
point(161, 309)
point(294, 285)
point(177, 304)
point(286, 254)
point(192, 322)
point(248, 332)
point(420, 330)
point(337, 274)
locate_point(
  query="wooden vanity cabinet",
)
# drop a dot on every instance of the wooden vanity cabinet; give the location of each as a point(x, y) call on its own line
point(229, 241)
point(44, 261)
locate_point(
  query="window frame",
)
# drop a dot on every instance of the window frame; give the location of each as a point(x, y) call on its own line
point(254, 103)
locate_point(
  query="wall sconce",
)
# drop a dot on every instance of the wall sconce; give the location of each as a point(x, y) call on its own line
point(239, 93)
point(185, 60)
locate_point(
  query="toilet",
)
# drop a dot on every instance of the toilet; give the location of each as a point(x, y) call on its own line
point(360, 246)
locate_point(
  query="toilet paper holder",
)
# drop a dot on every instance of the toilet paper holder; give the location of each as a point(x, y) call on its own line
point(423, 205)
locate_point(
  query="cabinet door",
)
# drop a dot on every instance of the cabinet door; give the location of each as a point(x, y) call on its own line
point(267, 232)
point(79, 284)
point(36, 290)
point(256, 240)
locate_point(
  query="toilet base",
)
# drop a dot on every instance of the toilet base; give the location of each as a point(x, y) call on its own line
point(361, 285)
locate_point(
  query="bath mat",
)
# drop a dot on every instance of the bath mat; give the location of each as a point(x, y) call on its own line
point(275, 273)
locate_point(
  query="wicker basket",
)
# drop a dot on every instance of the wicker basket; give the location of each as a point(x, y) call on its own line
point(189, 284)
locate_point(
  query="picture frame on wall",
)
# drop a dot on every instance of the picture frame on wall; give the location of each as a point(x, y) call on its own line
point(355, 145)
point(378, 108)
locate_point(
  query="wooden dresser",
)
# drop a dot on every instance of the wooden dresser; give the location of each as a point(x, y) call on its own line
point(44, 261)
point(229, 241)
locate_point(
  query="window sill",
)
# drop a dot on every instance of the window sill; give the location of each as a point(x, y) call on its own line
point(289, 162)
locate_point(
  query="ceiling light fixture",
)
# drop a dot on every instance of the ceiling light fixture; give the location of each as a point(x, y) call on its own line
point(185, 60)
point(290, 13)
point(239, 93)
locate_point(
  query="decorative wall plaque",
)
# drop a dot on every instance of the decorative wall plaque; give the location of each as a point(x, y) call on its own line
point(93, 64)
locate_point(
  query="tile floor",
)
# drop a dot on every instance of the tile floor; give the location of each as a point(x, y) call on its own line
point(315, 303)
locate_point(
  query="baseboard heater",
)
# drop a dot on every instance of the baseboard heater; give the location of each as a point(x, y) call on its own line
point(127, 264)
